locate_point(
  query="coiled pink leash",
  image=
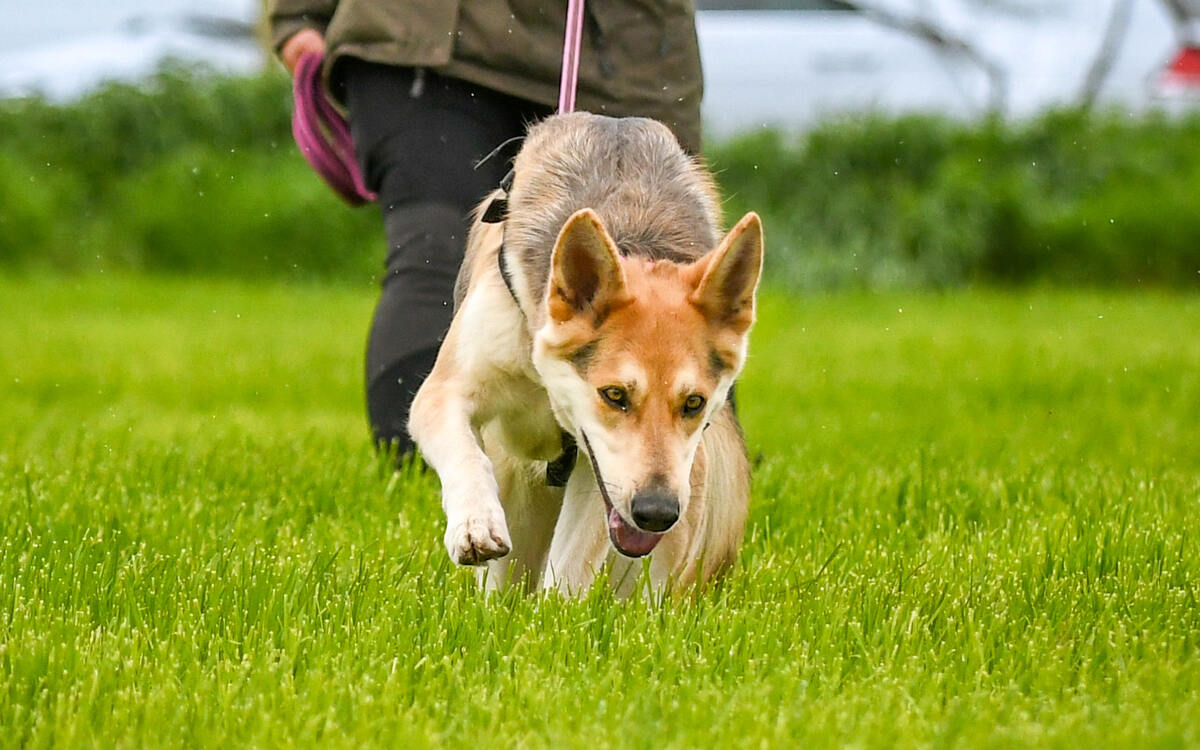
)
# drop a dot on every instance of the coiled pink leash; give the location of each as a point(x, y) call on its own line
point(323, 134)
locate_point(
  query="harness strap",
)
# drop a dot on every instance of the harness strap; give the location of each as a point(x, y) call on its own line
point(559, 470)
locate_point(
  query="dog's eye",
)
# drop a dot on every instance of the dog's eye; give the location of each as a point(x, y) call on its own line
point(616, 397)
point(693, 405)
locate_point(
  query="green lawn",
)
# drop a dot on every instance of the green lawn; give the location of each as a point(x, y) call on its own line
point(976, 523)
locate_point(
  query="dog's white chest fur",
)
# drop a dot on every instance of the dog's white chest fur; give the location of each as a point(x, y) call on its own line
point(511, 402)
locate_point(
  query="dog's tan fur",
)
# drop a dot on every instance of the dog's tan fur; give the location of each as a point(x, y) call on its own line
point(618, 282)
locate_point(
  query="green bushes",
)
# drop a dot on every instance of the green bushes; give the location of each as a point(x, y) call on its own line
point(195, 173)
point(189, 173)
point(922, 201)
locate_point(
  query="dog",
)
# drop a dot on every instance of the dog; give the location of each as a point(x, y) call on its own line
point(577, 414)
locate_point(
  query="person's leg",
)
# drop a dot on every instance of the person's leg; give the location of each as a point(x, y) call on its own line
point(420, 138)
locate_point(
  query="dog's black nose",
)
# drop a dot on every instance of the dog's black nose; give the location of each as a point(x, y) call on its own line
point(654, 510)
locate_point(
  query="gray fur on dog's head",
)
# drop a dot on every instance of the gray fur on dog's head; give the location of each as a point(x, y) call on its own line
point(654, 200)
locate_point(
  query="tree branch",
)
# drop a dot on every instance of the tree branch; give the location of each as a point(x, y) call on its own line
point(927, 31)
point(1106, 56)
point(1186, 16)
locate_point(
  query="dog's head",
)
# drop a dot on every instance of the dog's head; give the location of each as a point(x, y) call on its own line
point(637, 355)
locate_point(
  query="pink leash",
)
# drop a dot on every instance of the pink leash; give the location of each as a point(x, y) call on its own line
point(570, 62)
point(323, 135)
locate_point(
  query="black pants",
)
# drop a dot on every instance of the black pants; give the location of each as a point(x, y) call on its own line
point(420, 138)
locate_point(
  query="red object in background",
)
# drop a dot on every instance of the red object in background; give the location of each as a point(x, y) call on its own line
point(1183, 72)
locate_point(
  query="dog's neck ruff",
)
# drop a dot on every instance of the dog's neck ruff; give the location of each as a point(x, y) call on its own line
point(558, 470)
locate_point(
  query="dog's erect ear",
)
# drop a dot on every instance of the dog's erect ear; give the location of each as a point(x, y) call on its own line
point(585, 273)
point(725, 290)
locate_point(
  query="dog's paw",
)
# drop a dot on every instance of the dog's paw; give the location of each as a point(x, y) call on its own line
point(476, 539)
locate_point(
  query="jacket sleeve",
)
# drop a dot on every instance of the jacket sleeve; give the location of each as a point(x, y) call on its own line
point(286, 17)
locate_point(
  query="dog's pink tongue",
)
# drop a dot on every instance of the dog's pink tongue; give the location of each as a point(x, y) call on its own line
point(628, 540)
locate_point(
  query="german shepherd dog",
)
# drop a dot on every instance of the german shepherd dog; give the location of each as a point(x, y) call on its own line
point(597, 312)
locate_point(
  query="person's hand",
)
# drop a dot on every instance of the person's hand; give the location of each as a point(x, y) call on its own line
point(307, 40)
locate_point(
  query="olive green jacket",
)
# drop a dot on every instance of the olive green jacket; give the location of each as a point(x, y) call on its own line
point(639, 57)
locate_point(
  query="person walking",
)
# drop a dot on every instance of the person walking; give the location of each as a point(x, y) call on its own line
point(431, 88)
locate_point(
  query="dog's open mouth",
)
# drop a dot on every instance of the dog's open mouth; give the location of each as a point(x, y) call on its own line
point(627, 538)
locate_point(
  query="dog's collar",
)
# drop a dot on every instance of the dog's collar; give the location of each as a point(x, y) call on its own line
point(507, 277)
point(495, 213)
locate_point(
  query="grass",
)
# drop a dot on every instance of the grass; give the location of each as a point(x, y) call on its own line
point(974, 524)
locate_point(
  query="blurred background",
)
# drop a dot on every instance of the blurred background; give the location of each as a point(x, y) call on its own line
point(890, 143)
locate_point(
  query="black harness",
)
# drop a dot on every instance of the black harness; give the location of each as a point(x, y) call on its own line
point(558, 470)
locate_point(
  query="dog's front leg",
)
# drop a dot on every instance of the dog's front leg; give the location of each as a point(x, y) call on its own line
point(441, 424)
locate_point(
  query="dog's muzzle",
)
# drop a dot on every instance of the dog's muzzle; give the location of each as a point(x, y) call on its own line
point(633, 539)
